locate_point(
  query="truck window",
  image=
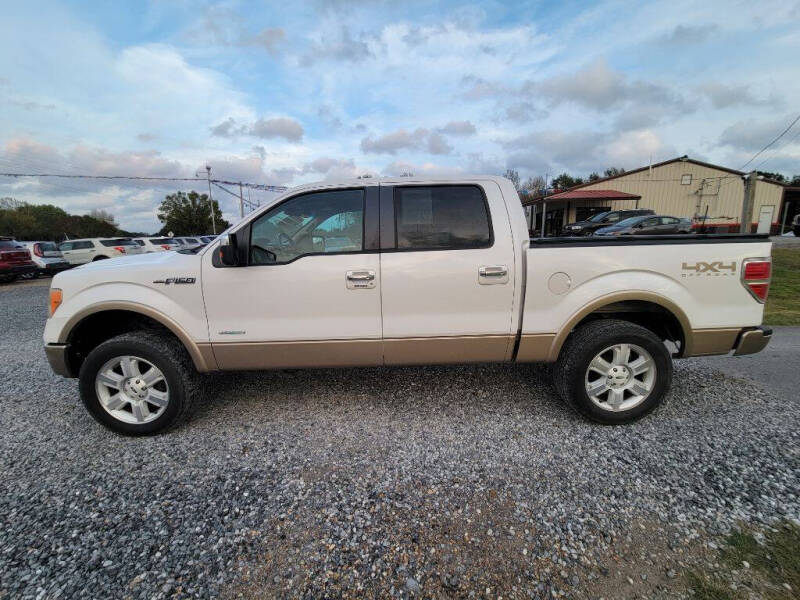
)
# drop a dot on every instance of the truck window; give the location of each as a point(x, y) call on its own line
point(441, 217)
point(315, 223)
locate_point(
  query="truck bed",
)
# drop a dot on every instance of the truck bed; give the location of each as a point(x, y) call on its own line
point(649, 240)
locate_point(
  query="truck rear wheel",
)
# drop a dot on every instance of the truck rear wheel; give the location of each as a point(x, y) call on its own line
point(613, 371)
point(139, 383)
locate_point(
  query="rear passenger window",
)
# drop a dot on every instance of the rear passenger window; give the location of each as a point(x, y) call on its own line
point(441, 217)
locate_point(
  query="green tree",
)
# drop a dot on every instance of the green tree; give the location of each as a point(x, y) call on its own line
point(565, 181)
point(613, 171)
point(593, 176)
point(189, 214)
point(774, 176)
point(16, 224)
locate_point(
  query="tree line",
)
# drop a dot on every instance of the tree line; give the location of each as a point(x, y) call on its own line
point(180, 213)
point(536, 185)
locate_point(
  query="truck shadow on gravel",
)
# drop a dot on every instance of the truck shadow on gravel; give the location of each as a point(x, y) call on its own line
point(431, 390)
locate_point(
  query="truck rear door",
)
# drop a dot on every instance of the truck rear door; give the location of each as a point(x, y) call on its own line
point(447, 271)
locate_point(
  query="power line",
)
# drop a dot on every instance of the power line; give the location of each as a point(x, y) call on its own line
point(757, 154)
point(255, 186)
point(774, 153)
point(130, 177)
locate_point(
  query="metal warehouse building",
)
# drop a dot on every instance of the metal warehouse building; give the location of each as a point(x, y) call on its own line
point(712, 196)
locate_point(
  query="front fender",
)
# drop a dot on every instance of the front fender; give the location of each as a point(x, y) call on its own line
point(179, 308)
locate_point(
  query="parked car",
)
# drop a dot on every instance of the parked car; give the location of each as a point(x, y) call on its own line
point(603, 219)
point(48, 258)
point(79, 252)
point(157, 244)
point(796, 225)
point(188, 243)
point(648, 225)
point(443, 272)
point(15, 260)
point(207, 239)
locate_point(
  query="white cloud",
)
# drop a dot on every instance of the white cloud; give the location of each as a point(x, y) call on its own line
point(458, 128)
point(420, 139)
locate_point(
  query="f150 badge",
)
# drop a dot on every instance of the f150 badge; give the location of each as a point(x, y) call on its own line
point(175, 280)
point(712, 269)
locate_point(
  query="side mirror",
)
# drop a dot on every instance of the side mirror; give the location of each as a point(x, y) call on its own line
point(228, 251)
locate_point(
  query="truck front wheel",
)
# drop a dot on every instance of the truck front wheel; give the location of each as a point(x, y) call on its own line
point(139, 383)
point(613, 371)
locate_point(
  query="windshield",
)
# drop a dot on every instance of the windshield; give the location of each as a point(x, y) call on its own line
point(163, 241)
point(48, 247)
point(599, 217)
point(630, 221)
point(10, 244)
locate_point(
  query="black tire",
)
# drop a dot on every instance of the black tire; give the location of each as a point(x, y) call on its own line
point(588, 341)
point(7, 278)
point(163, 351)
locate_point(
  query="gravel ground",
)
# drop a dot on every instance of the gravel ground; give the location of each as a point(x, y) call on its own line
point(349, 483)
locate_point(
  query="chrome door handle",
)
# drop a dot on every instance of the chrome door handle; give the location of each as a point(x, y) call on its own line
point(494, 274)
point(359, 280)
point(493, 271)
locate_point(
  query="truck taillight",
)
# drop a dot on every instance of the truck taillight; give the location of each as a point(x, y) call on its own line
point(120, 249)
point(166, 246)
point(756, 274)
point(37, 250)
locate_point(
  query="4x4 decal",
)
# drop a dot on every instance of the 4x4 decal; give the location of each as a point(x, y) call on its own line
point(715, 268)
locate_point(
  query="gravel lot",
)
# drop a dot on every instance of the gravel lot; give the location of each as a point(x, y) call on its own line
point(406, 481)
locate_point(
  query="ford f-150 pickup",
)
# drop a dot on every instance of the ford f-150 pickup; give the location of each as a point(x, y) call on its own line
point(404, 272)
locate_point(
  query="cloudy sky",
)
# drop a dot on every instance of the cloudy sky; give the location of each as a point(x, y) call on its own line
point(290, 92)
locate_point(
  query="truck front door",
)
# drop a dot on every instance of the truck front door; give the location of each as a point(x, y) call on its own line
point(309, 294)
point(447, 272)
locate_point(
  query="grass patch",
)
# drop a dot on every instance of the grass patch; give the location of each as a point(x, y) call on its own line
point(774, 563)
point(783, 303)
point(706, 589)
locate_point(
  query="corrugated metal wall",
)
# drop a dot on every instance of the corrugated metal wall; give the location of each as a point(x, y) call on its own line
point(720, 191)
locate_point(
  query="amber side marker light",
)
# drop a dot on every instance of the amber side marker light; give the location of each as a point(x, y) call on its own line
point(55, 299)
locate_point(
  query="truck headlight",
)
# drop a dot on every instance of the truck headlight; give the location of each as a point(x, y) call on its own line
point(577, 227)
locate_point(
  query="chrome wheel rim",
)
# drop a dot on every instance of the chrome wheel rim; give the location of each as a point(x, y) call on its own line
point(132, 390)
point(620, 377)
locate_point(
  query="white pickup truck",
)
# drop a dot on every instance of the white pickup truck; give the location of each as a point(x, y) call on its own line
point(403, 272)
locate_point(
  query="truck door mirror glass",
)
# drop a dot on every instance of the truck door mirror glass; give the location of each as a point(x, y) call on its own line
point(228, 252)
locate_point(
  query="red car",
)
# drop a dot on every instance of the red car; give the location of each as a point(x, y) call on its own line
point(15, 260)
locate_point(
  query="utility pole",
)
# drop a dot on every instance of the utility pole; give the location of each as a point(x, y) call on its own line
point(785, 211)
point(748, 202)
point(210, 200)
point(241, 201)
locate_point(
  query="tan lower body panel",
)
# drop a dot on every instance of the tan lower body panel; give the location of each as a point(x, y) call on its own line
point(362, 353)
point(702, 342)
point(536, 347)
point(286, 355)
point(446, 350)
point(705, 342)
